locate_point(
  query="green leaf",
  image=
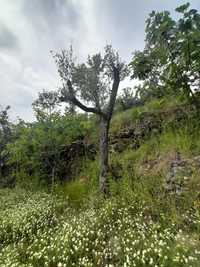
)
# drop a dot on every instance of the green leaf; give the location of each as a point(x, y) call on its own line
point(182, 8)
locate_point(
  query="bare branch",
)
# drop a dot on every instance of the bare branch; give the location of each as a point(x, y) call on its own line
point(72, 98)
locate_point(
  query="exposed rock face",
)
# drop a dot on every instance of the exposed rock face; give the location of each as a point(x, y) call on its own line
point(133, 136)
point(148, 124)
point(178, 175)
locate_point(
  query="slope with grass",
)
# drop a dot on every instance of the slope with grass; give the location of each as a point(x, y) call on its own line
point(142, 223)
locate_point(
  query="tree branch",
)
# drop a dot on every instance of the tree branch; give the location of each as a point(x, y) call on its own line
point(72, 98)
point(113, 94)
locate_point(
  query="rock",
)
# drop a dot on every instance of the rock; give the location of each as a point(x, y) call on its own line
point(197, 161)
point(178, 175)
point(118, 147)
point(148, 124)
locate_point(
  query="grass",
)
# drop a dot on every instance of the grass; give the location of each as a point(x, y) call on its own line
point(139, 225)
point(45, 231)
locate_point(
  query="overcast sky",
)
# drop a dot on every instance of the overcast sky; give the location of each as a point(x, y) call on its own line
point(29, 29)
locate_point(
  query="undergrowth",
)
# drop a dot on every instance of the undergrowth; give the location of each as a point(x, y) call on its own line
point(140, 224)
point(121, 231)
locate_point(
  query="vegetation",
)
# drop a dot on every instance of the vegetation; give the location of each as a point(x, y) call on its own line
point(92, 82)
point(169, 64)
point(45, 231)
point(147, 211)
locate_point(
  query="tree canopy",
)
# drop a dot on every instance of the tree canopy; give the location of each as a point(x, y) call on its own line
point(171, 57)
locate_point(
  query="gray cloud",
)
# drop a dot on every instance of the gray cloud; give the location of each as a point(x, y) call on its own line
point(8, 40)
point(52, 21)
point(30, 29)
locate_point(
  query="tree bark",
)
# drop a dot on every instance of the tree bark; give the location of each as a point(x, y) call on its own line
point(103, 149)
point(105, 117)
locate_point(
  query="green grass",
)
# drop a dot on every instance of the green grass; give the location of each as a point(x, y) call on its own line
point(140, 224)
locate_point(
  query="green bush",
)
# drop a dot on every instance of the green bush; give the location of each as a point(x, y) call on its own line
point(38, 151)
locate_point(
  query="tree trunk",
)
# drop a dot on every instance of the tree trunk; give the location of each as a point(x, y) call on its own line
point(103, 149)
point(52, 178)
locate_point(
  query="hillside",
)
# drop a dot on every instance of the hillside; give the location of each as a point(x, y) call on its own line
point(93, 173)
point(151, 218)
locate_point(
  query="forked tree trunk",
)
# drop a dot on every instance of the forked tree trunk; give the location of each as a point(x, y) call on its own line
point(105, 118)
point(103, 149)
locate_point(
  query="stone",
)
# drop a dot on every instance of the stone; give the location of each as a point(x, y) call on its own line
point(178, 175)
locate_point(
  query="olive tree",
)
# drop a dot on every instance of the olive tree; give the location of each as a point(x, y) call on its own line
point(93, 87)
